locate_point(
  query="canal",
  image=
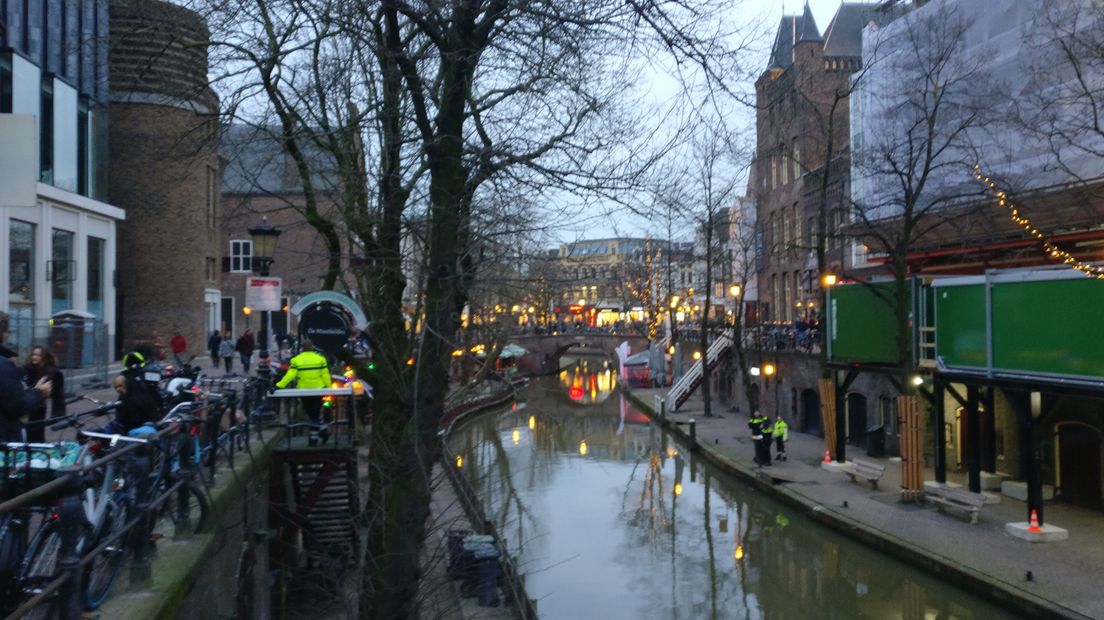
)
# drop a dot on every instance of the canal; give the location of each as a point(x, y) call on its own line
point(609, 518)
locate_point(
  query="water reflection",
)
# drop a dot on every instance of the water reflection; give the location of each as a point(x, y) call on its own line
point(588, 379)
point(609, 519)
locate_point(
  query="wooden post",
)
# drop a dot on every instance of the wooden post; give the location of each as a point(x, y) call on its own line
point(912, 454)
point(940, 434)
point(827, 388)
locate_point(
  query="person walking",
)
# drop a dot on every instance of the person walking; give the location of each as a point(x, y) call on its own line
point(179, 346)
point(16, 400)
point(42, 363)
point(245, 346)
point(309, 369)
point(226, 351)
point(213, 342)
point(781, 432)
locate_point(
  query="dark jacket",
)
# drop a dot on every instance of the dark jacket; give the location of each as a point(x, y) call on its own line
point(57, 397)
point(213, 343)
point(246, 344)
point(138, 405)
point(16, 400)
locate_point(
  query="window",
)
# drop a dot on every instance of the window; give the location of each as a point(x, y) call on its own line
point(798, 239)
point(787, 299)
point(212, 274)
point(82, 146)
point(96, 275)
point(21, 237)
point(241, 256)
point(812, 232)
point(796, 159)
point(889, 414)
point(212, 197)
point(61, 271)
point(46, 131)
point(6, 84)
point(786, 238)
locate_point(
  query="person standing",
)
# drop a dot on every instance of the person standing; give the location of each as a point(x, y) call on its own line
point(309, 369)
point(16, 400)
point(759, 427)
point(226, 351)
point(213, 342)
point(245, 346)
point(179, 346)
point(42, 363)
point(781, 432)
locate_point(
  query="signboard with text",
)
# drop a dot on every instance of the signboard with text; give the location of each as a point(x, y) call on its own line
point(263, 293)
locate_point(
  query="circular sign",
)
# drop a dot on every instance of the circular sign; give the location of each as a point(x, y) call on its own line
point(327, 326)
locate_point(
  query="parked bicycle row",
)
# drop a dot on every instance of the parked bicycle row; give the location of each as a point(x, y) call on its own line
point(76, 507)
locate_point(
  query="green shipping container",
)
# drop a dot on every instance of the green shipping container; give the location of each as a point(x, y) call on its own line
point(861, 324)
point(1042, 323)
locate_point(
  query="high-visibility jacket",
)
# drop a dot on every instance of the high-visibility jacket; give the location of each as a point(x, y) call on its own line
point(309, 370)
point(781, 429)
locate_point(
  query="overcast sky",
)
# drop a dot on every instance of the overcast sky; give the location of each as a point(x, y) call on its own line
point(620, 222)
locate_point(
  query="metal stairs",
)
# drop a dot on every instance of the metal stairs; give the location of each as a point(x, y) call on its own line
point(320, 498)
point(687, 383)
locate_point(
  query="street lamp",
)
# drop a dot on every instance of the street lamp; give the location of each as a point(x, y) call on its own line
point(264, 246)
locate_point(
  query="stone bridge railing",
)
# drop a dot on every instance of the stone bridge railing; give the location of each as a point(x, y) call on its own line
point(545, 350)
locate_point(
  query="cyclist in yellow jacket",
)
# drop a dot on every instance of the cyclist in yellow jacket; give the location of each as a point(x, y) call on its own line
point(309, 369)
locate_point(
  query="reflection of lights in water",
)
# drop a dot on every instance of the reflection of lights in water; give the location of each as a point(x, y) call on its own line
point(671, 452)
point(576, 392)
point(459, 461)
point(678, 488)
point(739, 553)
point(516, 436)
point(582, 447)
point(532, 422)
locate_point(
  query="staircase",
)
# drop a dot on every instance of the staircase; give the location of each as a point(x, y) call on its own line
point(320, 498)
point(685, 386)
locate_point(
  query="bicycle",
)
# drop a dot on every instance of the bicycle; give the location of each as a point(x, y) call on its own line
point(106, 505)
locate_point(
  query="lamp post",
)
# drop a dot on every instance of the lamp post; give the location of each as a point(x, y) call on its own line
point(264, 246)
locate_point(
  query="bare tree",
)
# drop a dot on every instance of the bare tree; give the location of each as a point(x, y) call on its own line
point(921, 106)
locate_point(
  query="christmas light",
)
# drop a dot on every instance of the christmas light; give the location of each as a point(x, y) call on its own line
point(1054, 252)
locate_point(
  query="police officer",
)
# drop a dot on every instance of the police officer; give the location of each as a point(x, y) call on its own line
point(781, 433)
point(759, 430)
point(309, 369)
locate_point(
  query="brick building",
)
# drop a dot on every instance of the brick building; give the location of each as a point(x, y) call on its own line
point(165, 173)
point(261, 184)
point(801, 169)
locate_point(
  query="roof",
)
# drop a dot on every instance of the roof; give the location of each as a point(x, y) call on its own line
point(844, 34)
point(792, 30)
point(808, 30)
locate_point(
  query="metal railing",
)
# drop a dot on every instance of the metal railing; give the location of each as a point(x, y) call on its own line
point(65, 490)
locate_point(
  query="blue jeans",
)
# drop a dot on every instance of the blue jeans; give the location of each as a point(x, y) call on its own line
point(245, 362)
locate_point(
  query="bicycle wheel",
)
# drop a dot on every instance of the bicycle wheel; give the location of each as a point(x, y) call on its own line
point(195, 509)
point(12, 542)
point(101, 572)
point(39, 568)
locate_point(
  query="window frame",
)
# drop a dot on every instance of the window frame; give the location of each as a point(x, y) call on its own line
point(241, 256)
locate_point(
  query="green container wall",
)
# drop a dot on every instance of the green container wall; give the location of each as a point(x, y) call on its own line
point(1049, 327)
point(960, 325)
point(1039, 327)
point(861, 324)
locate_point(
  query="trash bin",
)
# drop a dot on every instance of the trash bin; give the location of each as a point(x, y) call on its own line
point(875, 441)
point(472, 549)
point(486, 572)
point(67, 331)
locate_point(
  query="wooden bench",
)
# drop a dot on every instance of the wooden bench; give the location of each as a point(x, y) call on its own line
point(944, 497)
point(870, 472)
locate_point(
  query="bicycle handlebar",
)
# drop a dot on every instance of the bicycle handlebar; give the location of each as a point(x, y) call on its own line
point(57, 424)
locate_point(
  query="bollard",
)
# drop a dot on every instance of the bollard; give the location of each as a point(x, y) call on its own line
point(139, 535)
point(693, 434)
point(71, 521)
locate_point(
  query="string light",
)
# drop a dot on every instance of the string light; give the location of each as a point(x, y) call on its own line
point(1052, 250)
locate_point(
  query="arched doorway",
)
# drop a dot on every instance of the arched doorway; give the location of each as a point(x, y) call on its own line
point(856, 419)
point(1079, 478)
point(810, 407)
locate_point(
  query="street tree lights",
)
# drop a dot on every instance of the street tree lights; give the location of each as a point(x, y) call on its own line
point(264, 246)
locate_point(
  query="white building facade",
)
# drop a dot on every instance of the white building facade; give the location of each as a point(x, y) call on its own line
point(57, 235)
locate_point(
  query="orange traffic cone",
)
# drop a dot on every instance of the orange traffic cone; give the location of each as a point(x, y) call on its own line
point(827, 456)
point(1033, 526)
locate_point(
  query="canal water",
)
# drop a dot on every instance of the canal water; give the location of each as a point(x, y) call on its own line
point(609, 518)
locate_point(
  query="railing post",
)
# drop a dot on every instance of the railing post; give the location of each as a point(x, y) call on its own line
point(693, 435)
point(70, 521)
point(139, 535)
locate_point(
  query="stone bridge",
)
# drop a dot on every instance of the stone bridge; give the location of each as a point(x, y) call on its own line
point(545, 350)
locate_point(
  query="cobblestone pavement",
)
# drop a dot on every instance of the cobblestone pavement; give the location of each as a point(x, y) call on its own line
point(1066, 575)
